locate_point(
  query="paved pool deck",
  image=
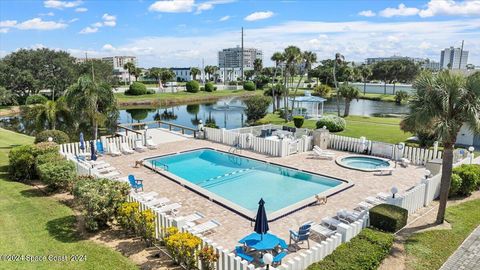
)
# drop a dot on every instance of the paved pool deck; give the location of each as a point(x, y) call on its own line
point(233, 226)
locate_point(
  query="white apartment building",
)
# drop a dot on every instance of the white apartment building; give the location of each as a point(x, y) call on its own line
point(118, 62)
point(453, 58)
point(230, 61)
point(183, 74)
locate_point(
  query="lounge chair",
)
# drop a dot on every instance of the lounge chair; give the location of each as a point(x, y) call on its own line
point(125, 149)
point(135, 183)
point(157, 202)
point(205, 227)
point(99, 146)
point(139, 146)
point(364, 206)
point(322, 230)
point(324, 151)
point(190, 219)
point(322, 154)
point(145, 196)
point(331, 222)
point(301, 235)
point(374, 201)
point(105, 169)
point(151, 145)
point(110, 175)
point(240, 252)
point(385, 171)
point(350, 216)
point(169, 208)
point(112, 149)
point(404, 162)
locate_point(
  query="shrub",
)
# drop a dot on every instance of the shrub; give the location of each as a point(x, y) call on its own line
point(232, 83)
point(401, 96)
point(36, 99)
point(182, 246)
point(22, 163)
point(209, 87)
point(58, 136)
point(52, 157)
point(150, 91)
point(136, 89)
point(470, 175)
point(145, 225)
point(389, 218)
point(208, 257)
point(455, 185)
point(365, 251)
point(202, 88)
point(57, 175)
point(192, 86)
point(45, 148)
point(298, 121)
point(249, 86)
point(99, 199)
point(309, 85)
point(256, 107)
point(323, 90)
point(127, 213)
point(332, 122)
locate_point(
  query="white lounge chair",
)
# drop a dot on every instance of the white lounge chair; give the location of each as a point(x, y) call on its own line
point(385, 171)
point(106, 169)
point(384, 195)
point(189, 220)
point(374, 201)
point(110, 175)
point(364, 206)
point(145, 196)
point(125, 149)
point(350, 216)
point(404, 162)
point(170, 208)
point(331, 222)
point(113, 150)
point(139, 146)
point(157, 202)
point(323, 154)
point(322, 150)
point(150, 144)
point(322, 230)
point(205, 227)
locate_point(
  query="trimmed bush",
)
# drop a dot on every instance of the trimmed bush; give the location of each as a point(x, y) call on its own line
point(45, 148)
point(22, 163)
point(232, 83)
point(455, 185)
point(256, 107)
point(365, 251)
point(48, 158)
point(136, 89)
point(387, 217)
point(332, 122)
point(470, 175)
point(192, 86)
point(36, 99)
point(99, 199)
point(57, 175)
point(322, 90)
point(249, 86)
point(210, 87)
point(58, 136)
point(298, 121)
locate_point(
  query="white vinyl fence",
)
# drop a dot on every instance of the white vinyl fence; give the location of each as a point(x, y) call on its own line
point(74, 148)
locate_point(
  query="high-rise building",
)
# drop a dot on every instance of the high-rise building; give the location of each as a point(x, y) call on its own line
point(232, 57)
point(453, 58)
point(118, 62)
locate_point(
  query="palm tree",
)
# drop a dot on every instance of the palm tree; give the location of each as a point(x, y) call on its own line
point(338, 60)
point(214, 70)
point(130, 67)
point(137, 72)
point(365, 73)
point(257, 66)
point(194, 71)
point(349, 93)
point(445, 102)
point(50, 113)
point(292, 56)
point(307, 58)
point(156, 74)
point(277, 57)
point(91, 100)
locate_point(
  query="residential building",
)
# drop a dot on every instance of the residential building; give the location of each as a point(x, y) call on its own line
point(453, 58)
point(118, 62)
point(183, 74)
point(431, 65)
point(81, 60)
point(232, 58)
point(373, 60)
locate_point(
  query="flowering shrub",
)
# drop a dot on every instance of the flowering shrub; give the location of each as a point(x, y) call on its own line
point(127, 215)
point(208, 258)
point(145, 225)
point(183, 246)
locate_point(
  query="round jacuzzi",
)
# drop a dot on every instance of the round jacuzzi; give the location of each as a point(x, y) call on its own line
point(363, 163)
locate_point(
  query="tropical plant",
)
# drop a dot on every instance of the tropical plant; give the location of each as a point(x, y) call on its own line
point(127, 215)
point(256, 107)
point(192, 86)
point(130, 67)
point(7, 97)
point(249, 86)
point(277, 58)
point(349, 93)
point(155, 73)
point(470, 178)
point(339, 59)
point(323, 90)
point(22, 163)
point(57, 136)
point(92, 101)
point(182, 246)
point(194, 71)
point(445, 102)
point(137, 72)
point(145, 225)
point(210, 87)
point(400, 96)
point(51, 112)
point(208, 257)
point(36, 99)
point(249, 74)
point(365, 73)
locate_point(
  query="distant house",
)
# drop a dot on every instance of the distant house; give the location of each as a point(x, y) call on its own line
point(468, 138)
point(183, 74)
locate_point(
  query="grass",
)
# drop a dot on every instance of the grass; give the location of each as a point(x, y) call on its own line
point(34, 224)
point(378, 97)
point(373, 128)
point(430, 249)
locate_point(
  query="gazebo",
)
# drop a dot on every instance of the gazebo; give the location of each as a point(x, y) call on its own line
point(308, 106)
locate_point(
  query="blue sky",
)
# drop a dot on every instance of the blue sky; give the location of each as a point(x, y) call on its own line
point(183, 32)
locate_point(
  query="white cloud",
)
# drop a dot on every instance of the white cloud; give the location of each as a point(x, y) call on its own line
point(8, 23)
point(110, 23)
point(108, 47)
point(73, 20)
point(97, 24)
point(402, 10)
point(39, 24)
point(450, 7)
point(259, 15)
point(61, 4)
point(172, 6)
point(81, 9)
point(50, 14)
point(224, 18)
point(210, 5)
point(367, 13)
point(88, 30)
point(4, 30)
point(108, 17)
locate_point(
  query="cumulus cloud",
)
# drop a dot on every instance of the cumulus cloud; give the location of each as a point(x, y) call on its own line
point(34, 24)
point(224, 18)
point(61, 4)
point(367, 13)
point(402, 10)
point(8, 23)
point(450, 7)
point(210, 4)
point(172, 6)
point(259, 15)
point(108, 20)
point(4, 30)
point(89, 30)
point(81, 9)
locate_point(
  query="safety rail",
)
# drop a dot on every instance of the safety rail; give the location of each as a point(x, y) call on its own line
point(171, 127)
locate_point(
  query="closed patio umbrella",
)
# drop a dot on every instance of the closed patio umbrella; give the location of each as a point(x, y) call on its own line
point(92, 148)
point(261, 221)
point(82, 142)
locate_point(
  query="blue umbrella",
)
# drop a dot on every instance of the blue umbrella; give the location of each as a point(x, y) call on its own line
point(261, 222)
point(92, 148)
point(82, 142)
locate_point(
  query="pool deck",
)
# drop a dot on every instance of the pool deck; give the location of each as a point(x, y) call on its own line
point(233, 226)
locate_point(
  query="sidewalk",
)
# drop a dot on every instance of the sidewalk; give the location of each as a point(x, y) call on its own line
point(467, 255)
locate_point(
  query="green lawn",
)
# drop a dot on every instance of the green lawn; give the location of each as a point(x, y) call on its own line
point(36, 225)
point(379, 97)
point(373, 128)
point(185, 96)
point(430, 249)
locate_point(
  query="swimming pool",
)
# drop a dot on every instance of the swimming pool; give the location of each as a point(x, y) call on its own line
point(239, 182)
point(363, 163)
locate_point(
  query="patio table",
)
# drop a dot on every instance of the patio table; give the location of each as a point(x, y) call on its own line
point(268, 242)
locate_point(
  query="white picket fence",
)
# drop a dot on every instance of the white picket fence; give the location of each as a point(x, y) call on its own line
point(74, 148)
point(349, 144)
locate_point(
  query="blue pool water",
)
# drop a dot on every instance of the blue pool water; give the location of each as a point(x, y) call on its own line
point(244, 181)
point(365, 163)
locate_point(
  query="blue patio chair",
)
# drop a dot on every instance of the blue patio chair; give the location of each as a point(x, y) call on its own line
point(135, 183)
point(241, 253)
point(277, 260)
point(100, 149)
point(302, 235)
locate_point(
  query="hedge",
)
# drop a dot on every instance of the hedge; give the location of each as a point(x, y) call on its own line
point(298, 121)
point(332, 122)
point(210, 87)
point(249, 86)
point(192, 86)
point(58, 175)
point(58, 136)
point(22, 159)
point(36, 99)
point(387, 217)
point(470, 178)
point(136, 89)
point(365, 251)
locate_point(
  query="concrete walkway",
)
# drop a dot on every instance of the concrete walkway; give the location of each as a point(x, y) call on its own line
point(467, 255)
